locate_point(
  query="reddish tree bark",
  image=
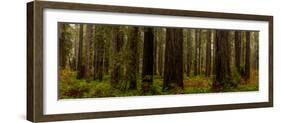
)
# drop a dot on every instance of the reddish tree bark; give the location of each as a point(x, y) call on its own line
point(173, 70)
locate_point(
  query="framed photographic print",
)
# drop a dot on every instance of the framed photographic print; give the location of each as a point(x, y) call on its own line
point(97, 61)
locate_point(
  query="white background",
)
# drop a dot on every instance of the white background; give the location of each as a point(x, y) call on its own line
point(13, 61)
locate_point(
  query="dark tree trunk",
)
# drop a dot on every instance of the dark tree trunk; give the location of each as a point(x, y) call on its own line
point(189, 53)
point(257, 51)
point(76, 47)
point(147, 68)
point(132, 69)
point(208, 54)
point(248, 55)
point(106, 61)
point(161, 52)
point(96, 56)
point(117, 43)
point(155, 48)
point(81, 67)
point(88, 40)
point(62, 54)
point(222, 58)
point(99, 52)
point(173, 70)
point(107, 54)
point(199, 52)
point(197, 39)
point(243, 52)
point(238, 41)
point(91, 49)
point(214, 52)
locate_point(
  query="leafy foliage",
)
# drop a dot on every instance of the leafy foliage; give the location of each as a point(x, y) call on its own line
point(70, 87)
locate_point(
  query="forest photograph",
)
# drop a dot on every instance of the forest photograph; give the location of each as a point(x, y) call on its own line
point(102, 60)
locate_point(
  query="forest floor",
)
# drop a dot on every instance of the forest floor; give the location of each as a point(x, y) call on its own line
point(70, 87)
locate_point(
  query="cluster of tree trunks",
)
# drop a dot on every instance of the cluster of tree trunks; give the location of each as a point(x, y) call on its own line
point(170, 53)
point(223, 72)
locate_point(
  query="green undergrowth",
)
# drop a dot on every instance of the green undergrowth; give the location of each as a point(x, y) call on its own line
point(70, 87)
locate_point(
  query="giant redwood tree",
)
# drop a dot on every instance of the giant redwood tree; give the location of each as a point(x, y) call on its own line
point(189, 53)
point(107, 48)
point(214, 52)
point(238, 45)
point(155, 51)
point(200, 52)
point(99, 50)
point(133, 63)
point(80, 64)
point(222, 59)
point(62, 41)
point(75, 47)
point(208, 54)
point(117, 44)
point(88, 40)
point(196, 56)
point(147, 68)
point(173, 70)
point(161, 43)
point(248, 55)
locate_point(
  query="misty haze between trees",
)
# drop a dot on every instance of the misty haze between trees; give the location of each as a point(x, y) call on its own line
point(112, 61)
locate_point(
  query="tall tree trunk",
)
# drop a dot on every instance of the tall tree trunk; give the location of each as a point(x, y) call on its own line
point(208, 54)
point(91, 48)
point(197, 39)
point(222, 58)
point(62, 38)
point(173, 70)
point(81, 67)
point(96, 54)
point(106, 60)
point(257, 51)
point(189, 53)
point(117, 43)
point(76, 47)
point(107, 53)
point(199, 52)
point(147, 68)
point(243, 52)
point(88, 40)
point(238, 41)
point(155, 48)
point(248, 56)
point(99, 52)
point(161, 52)
point(132, 69)
point(214, 52)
